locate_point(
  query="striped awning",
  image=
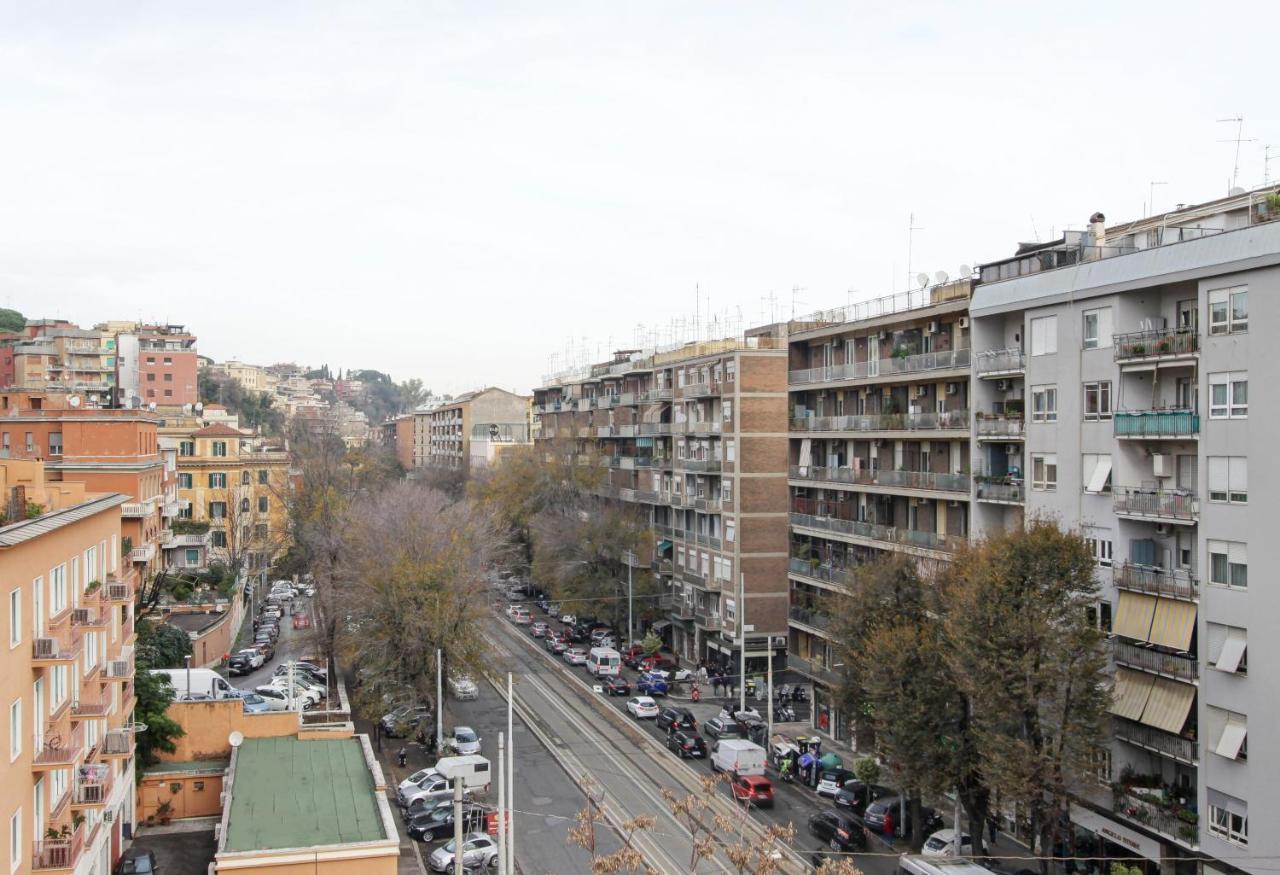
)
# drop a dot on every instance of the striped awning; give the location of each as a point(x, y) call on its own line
point(1169, 705)
point(1173, 623)
point(1132, 689)
point(1133, 616)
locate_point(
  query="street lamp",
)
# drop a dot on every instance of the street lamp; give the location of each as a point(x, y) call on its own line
point(629, 557)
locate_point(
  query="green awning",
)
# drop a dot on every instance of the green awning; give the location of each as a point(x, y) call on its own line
point(664, 544)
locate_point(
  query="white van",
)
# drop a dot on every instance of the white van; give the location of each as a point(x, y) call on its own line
point(737, 755)
point(203, 681)
point(915, 864)
point(604, 662)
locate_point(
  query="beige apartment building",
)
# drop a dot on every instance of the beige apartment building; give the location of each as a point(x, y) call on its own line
point(67, 783)
point(490, 416)
point(696, 437)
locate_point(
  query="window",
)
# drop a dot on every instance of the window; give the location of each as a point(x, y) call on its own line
point(1228, 648)
point(193, 556)
point(1044, 335)
point(218, 480)
point(1228, 818)
point(186, 448)
point(1095, 468)
point(55, 443)
point(15, 618)
point(1044, 472)
point(1229, 310)
point(262, 504)
point(1229, 564)
point(219, 448)
point(244, 478)
point(184, 481)
point(168, 393)
point(217, 510)
point(168, 378)
point(244, 505)
point(219, 538)
point(1101, 546)
point(1229, 479)
point(262, 475)
point(57, 590)
point(726, 410)
point(16, 844)
point(1044, 403)
point(15, 730)
point(261, 531)
point(1229, 395)
point(1097, 400)
point(168, 360)
point(1097, 328)
point(151, 378)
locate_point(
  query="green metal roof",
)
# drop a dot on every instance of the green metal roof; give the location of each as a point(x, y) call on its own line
point(287, 793)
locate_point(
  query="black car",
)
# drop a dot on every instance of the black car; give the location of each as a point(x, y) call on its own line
point(136, 861)
point(425, 805)
point(676, 718)
point(841, 832)
point(437, 824)
point(718, 728)
point(856, 796)
point(876, 811)
point(617, 686)
point(239, 664)
point(687, 743)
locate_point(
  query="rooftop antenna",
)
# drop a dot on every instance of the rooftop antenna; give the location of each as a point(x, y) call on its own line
point(1151, 196)
point(1267, 158)
point(912, 228)
point(1237, 139)
point(795, 296)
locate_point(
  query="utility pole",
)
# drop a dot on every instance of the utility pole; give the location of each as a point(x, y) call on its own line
point(742, 641)
point(502, 809)
point(630, 599)
point(439, 703)
point(912, 228)
point(511, 784)
point(457, 826)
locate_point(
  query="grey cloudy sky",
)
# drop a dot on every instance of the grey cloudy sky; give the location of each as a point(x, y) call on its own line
point(456, 190)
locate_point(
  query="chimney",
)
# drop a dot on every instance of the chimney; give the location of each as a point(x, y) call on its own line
point(1097, 229)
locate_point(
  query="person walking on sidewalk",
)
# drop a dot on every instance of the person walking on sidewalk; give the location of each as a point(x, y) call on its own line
point(888, 826)
point(402, 756)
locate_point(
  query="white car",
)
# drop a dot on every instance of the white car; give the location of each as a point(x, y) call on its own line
point(741, 715)
point(279, 700)
point(942, 844)
point(415, 778)
point(430, 787)
point(575, 656)
point(680, 674)
point(569, 620)
point(463, 740)
point(642, 707)
point(300, 689)
point(463, 687)
point(478, 850)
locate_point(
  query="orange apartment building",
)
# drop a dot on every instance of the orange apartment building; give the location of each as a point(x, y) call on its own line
point(67, 784)
point(697, 437)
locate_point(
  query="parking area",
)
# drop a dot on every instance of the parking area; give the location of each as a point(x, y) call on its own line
point(180, 850)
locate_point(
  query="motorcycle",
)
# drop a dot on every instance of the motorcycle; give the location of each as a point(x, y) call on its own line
point(785, 714)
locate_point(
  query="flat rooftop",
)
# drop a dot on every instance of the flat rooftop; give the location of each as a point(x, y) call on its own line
point(287, 793)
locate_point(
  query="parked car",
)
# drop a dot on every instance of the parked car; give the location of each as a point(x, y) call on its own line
point(752, 790)
point(553, 609)
point(942, 844)
point(463, 687)
point(842, 832)
point(539, 629)
point(569, 620)
point(673, 717)
point(463, 741)
point(718, 727)
point(875, 813)
point(616, 686)
point(641, 707)
point(478, 850)
point(437, 824)
point(687, 743)
point(310, 675)
point(267, 649)
point(856, 796)
point(136, 861)
point(521, 616)
point(416, 777)
point(245, 661)
point(575, 656)
point(658, 661)
point(301, 690)
point(429, 803)
point(279, 699)
point(557, 646)
point(653, 684)
point(831, 780)
point(403, 717)
point(254, 704)
point(430, 787)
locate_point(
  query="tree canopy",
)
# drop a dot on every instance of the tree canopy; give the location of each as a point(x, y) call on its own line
point(11, 320)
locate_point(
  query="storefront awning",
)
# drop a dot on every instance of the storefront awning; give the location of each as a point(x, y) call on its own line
point(1169, 705)
point(1133, 616)
point(1172, 624)
point(1232, 739)
point(664, 544)
point(1132, 689)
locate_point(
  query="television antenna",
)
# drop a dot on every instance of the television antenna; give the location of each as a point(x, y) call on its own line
point(1237, 139)
point(1267, 158)
point(912, 228)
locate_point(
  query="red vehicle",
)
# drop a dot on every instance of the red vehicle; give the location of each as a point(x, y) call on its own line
point(752, 790)
point(659, 661)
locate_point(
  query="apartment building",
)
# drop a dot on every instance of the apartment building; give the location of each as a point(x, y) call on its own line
point(67, 783)
point(492, 413)
point(252, 378)
point(696, 438)
point(1112, 375)
point(60, 357)
point(878, 458)
point(154, 364)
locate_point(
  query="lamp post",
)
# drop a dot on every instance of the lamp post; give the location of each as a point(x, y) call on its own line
point(630, 558)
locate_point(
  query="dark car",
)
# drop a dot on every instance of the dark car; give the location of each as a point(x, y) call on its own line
point(876, 811)
point(856, 796)
point(687, 743)
point(718, 728)
point(437, 824)
point(676, 718)
point(267, 649)
point(617, 686)
point(136, 861)
point(239, 663)
point(424, 805)
point(841, 831)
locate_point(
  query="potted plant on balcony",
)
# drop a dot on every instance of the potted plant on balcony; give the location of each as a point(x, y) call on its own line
point(92, 587)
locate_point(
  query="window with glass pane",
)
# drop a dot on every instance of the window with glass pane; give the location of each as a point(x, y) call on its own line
point(1044, 472)
point(1097, 400)
point(1229, 310)
point(1239, 397)
point(1044, 403)
point(1228, 564)
point(1229, 395)
point(1091, 329)
point(1240, 310)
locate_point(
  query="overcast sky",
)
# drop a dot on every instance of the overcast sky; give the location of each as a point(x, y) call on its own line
point(459, 191)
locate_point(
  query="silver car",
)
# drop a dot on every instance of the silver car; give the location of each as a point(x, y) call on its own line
point(478, 849)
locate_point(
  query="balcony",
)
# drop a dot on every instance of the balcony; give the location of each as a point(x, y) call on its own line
point(703, 427)
point(955, 420)
point(144, 553)
point(1182, 668)
point(817, 571)
point(54, 650)
point(92, 791)
point(1175, 747)
point(696, 390)
point(813, 619)
point(1000, 491)
point(814, 668)
point(172, 541)
point(1152, 811)
point(1158, 505)
point(135, 509)
point(654, 428)
point(55, 748)
point(91, 618)
point(119, 592)
point(116, 743)
point(652, 396)
point(604, 431)
point(882, 535)
point(707, 466)
point(1156, 424)
point(119, 669)
point(682, 610)
point(54, 854)
point(1000, 428)
point(86, 708)
point(1162, 344)
point(884, 478)
point(993, 364)
point(1156, 581)
point(883, 368)
point(706, 619)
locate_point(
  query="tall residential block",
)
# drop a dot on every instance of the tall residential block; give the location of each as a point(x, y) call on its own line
point(489, 416)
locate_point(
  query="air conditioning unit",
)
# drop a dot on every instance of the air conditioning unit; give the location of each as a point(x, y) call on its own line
point(1003, 385)
point(1162, 465)
point(953, 388)
point(964, 321)
point(934, 326)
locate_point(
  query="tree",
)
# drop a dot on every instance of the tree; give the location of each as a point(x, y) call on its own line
point(413, 394)
point(1021, 646)
point(12, 320)
point(159, 646)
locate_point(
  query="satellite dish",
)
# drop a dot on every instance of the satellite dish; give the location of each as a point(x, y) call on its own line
point(941, 277)
point(199, 407)
point(966, 270)
point(922, 279)
point(74, 400)
point(236, 738)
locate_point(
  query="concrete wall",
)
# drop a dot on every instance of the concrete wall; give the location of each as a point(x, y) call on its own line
point(208, 727)
point(197, 794)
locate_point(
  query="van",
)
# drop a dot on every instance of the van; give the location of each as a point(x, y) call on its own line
point(916, 864)
point(604, 662)
point(737, 755)
point(202, 681)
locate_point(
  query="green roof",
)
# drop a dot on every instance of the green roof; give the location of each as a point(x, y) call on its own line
point(287, 793)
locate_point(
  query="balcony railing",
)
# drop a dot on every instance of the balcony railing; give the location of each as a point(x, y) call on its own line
point(875, 532)
point(951, 420)
point(62, 648)
point(57, 748)
point(116, 743)
point(814, 669)
point(1144, 658)
point(704, 539)
point(1169, 424)
point(682, 610)
point(999, 361)
point(92, 617)
point(818, 571)
point(92, 791)
point(89, 708)
point(653, 395)
point(1156, 504)
point(1139, 809)
point(144, 553)
point(652, 428)
point(1000, 427)
point(694, 390)
point(881, 477)
point(1156, 581)
point(709, 466)
point(1161, 343)
point(988, 490)
point(923, 362)
point(809, 617)
point(120, 669)
point(65, 853)
point(1156, 740)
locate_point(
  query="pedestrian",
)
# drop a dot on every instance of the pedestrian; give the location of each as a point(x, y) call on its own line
point(992, 827)
point(402, 756)
point(888, 826)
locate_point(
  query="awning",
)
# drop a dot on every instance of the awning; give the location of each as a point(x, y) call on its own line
point(660, 626)
point(664, 544)
point(1232, 651)
point(1169, 705)
point(806, 453)
point(1101, 472)
point(1132, 690)
point(1173, 623)
point(1133, 616)
point(1233, 735)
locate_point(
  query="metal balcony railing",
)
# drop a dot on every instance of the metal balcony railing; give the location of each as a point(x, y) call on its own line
point(814, 669)
point(880, 477)
point(1000, 361)
point(885, 367)
point(92, 791)
point(1164, 342)
point(986, 490)
point(954, 420)
point(58, 853)
point(818, 571)
point(708, 466)
point(1145, 658)
point(92, 617)
point(876, 532)
point(1000, 426)
point(810, 617)
point(117, 742)
point(1157, 740)
point(1156, 504)
point(1167, 424)
point(55, 747)
point(1156, 581)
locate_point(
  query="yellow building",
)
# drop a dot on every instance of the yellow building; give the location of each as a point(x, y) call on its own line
point(237, 489)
